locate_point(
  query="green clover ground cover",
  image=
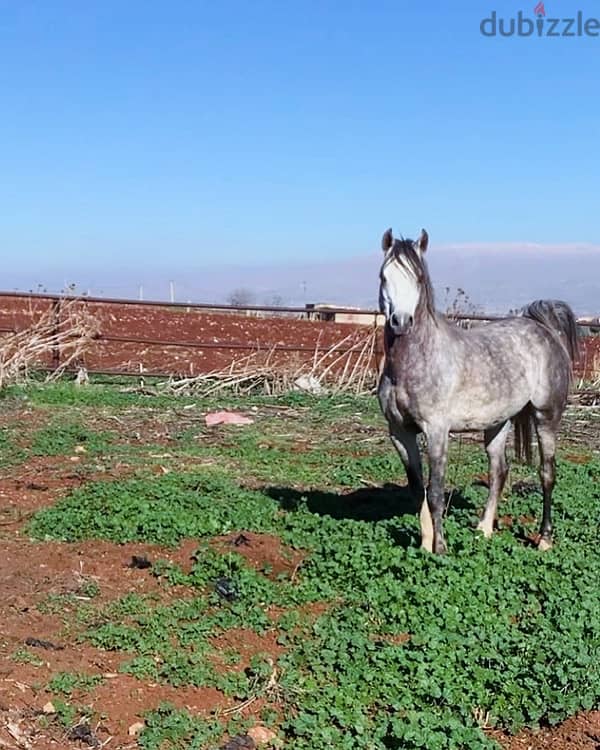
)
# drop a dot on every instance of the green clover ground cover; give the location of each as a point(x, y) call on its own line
point(411, 650)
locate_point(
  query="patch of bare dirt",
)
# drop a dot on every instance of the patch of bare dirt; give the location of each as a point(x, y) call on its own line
point(124, 700)
point(30, 572)
point(263, 552)
point(116, 705)
point(42, 481)
point(248, 644)
point(580, 732)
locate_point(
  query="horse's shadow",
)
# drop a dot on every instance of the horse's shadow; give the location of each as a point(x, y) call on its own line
point(366, 504)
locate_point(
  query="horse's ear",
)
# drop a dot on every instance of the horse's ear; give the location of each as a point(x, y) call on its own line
point(423, 242)
point(387, 240)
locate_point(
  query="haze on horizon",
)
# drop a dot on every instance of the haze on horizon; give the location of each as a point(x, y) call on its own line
point(269, 145)
point(495, 279)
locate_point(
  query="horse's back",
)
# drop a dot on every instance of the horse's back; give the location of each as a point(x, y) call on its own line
point(516, 360)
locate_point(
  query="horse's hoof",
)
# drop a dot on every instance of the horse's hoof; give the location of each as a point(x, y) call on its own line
point(440, 547)
point(485, 529)
point(544, 544)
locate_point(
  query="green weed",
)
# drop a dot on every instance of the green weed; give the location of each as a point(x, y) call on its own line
point(11, 453)
point(67, 683)
point(61, 439)
point(168, 728)
point(24, 656)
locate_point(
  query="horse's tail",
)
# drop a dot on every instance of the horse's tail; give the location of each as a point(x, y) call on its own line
point(523, 433)
point(558, 318)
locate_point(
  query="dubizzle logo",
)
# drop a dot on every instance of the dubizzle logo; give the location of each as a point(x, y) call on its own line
point(542, 26)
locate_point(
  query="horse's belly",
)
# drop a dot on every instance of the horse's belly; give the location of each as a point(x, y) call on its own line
point(477, 425)
point(481, 415)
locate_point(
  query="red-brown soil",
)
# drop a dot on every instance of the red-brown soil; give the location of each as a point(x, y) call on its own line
point(133, 337)
point(578, 733)
point(137, 337)
point(262, 551)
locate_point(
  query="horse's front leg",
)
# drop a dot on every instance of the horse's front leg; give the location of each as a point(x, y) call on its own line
point(405, 442)
point(437, 446)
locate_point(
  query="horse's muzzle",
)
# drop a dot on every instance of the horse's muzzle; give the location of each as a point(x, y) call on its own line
point(401, 323)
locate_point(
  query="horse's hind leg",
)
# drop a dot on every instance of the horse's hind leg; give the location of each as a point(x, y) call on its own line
point(546, 428)
point(405, 442)
point(495, 446)
point(437, 447)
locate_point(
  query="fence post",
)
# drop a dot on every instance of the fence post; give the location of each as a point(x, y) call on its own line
point(56, 305)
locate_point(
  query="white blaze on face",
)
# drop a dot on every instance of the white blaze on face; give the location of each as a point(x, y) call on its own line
point(399, 290)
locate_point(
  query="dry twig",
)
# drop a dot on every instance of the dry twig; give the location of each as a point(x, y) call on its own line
point(57, 338)
point(348, 366)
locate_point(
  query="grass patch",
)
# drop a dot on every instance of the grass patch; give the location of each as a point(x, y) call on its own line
point(165, 510)
point(59, 439)
point(168, 728)
point(25, 656)
point(11, 453)
point(67, 683)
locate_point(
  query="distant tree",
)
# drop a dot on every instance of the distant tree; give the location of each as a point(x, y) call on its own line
point(241, 297)
point(274, 300)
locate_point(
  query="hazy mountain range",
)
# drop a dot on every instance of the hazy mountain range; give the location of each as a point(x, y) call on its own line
point(496, 278)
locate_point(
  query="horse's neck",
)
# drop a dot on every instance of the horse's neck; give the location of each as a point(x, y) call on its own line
point(418, 346)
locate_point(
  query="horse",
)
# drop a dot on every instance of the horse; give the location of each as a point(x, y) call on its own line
point(439, 378)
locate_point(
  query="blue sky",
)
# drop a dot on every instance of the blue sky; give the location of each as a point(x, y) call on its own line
point(183, 134)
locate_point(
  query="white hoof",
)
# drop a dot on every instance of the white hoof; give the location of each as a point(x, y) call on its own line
point(486, 529)
point(427, 545)
point(544, 545)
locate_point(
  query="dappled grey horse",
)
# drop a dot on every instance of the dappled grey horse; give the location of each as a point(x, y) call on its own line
point(439, 378)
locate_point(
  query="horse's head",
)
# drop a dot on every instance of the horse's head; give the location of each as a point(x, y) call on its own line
point(404, 281)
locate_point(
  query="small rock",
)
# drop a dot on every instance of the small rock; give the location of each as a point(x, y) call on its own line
point(241, 742)
point(226, 417)
point(83, 733)
point(241, 539)
point(135, 729)
point(48, 708)
point(262, 735)
point(309, 384)
point(140, 562)
point(225, 588)
point(39, 643)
